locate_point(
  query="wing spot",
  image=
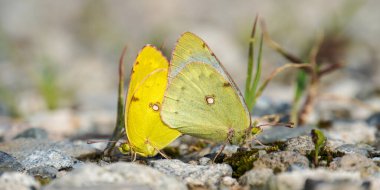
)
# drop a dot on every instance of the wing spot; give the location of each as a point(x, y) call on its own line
point(137, 63)
point(210, 99)
point(183, 88)
point(155, 106)
point(134, 99)
point(226, 84)
point(204, 45)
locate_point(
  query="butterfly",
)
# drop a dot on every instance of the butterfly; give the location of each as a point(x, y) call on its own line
point(201, 99)
point(146, 133)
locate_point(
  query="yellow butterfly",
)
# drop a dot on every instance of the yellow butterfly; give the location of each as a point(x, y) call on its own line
point(146, 133)
point(201, 99)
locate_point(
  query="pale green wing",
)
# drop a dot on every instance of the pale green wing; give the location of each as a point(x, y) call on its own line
point(202, 103)
point(191, 48)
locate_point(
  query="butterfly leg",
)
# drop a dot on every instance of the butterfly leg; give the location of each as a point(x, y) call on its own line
point(134, 156)
point(230, 134)
point(162, 153)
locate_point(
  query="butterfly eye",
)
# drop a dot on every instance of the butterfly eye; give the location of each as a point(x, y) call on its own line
point(210, 99)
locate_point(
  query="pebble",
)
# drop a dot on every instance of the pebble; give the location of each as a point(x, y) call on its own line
point(320, 179)
point(301, 144)
point(374, 119)
point(355, 163)
point(35, 133)
point(19, 181)
point(45, 172)
point(116, 176)
point(256, 178)
point(281, 134)
point(281, 161)
point(22, 147)
point(354, 149)
point(352, 132)
point(54, 158)
point(208, 176)
point(9, 163)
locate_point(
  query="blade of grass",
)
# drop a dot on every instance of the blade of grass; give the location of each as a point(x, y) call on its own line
point(256, 81)
point(118, 131)
point(251, 53)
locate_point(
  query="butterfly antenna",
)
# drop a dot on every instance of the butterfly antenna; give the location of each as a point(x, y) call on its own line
point(93, 141)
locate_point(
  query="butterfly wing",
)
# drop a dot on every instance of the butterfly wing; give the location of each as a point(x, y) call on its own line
point(145, 130)
point(191, 48)
point(202, 103)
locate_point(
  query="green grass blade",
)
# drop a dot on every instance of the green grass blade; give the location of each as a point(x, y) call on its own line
point(257, 76)
point(251, 55)
point(118, 131)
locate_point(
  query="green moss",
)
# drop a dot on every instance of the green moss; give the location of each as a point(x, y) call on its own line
point(242, 161)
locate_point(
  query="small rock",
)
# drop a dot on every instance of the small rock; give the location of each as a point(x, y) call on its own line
point(374, 119)
point(228, 149)
point(50, 157)
point(22, 147)
point(35, 133)
point(229, 183)
point(355, 163)
point(45, 172)
point(9, 163)
point(352, 132)
point(208, 176)
point(256, 178)
point(301, 144)
point(19, 181)
point(332, 144)
point(204, 161)
point(354, 149)
point(116, 176)
point(280, 134)
point(311, 179)
point(281, 161)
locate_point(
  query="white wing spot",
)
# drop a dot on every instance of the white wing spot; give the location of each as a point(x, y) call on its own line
point(210, 99)
point(155, 107)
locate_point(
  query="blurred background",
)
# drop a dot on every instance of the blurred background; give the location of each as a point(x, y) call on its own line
point(58, 59)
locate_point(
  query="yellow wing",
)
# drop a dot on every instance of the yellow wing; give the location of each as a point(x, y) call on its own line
point(145, 131)
point(202, 103)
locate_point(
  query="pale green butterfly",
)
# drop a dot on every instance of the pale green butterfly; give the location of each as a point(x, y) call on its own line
point(201, 99)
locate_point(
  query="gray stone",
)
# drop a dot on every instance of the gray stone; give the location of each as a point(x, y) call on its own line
point(355, 163)
point(23, 147)
point(352, 132)
point(281, 161)
point(204, 161)
point(302, 144)
point(228, 149)
point(116, 176)
point(280, 134)
point(19, 181)
point(374, 119)
point(35, 133)
point(316, 179)
point(354, 149)
point(9, 163)
point(208, 176)
point(54, 158)
point(256, 178)
point(45, 172)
